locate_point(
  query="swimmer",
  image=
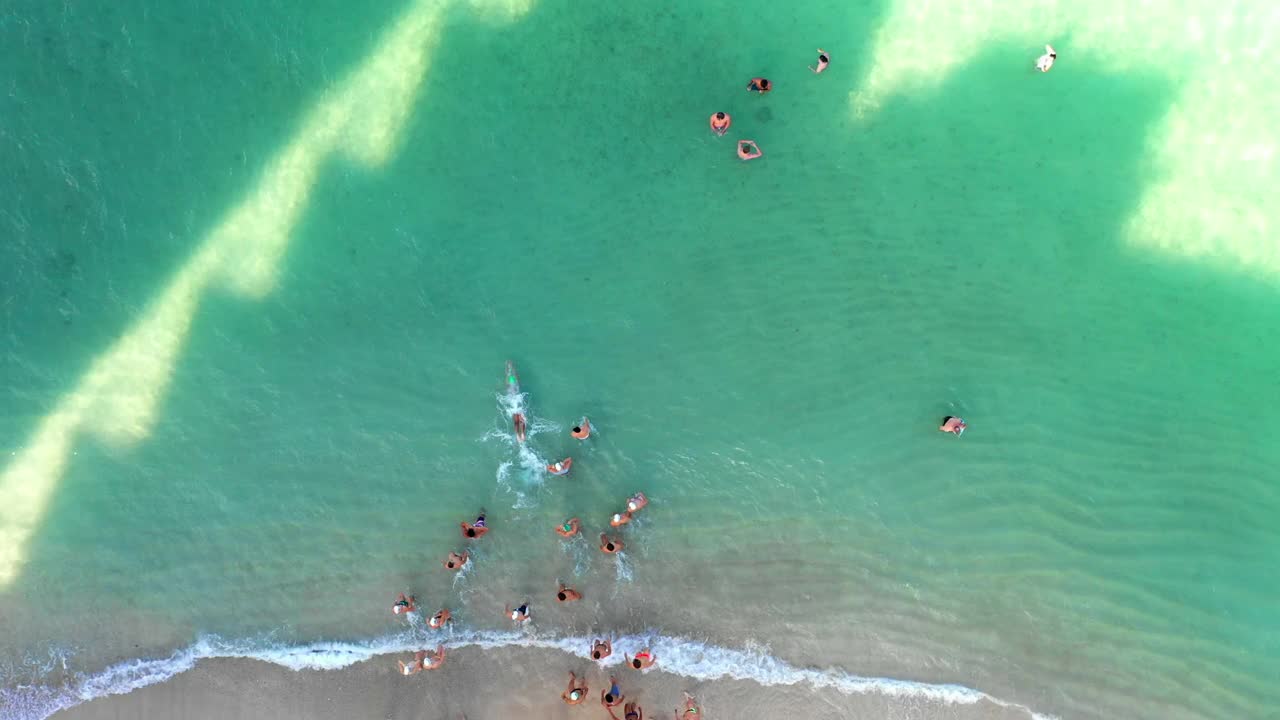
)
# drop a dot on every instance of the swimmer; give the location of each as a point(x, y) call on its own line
point(954, 425)
point(476, 529)
point(612, 696)
point(438, 620)
point(520, 614)
point(404, 604)
point(760, 85)
point(610, 545)
point(1045, 62)
point(433, 661)
point(620, 519)
point(823, 61)
point(691, 711)
point(518, 419)
point(561, 468)
point(749, 150)
point(720, 123)
point(643, 660)
point(456, 561)
point(567, 594)
point(601, 649)
point(414, 667)
point(582, 430)
point(636, 502)
point(575, 693)
point(569, 528)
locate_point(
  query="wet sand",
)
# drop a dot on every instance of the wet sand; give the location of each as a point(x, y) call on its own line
point(476, 684)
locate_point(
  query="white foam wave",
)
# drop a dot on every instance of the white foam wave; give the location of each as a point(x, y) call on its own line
point(676, 655)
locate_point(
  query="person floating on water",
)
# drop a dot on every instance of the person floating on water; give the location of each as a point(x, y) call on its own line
point(612, 696)
point(643, 659)
point(1044, 63)
point(567, 594)
point(610, 545)
point(576, 692)
point(476, 529)
point(823, 61)
point(582, 430)
point(561, 468)
point(636, 502)
point(601, 649)
point(690, 711)
point(456, 561)
point(620, 519)
point(438, 620)
point(520, 614)
point(749, 150)
point(404, 604)
point(760, 85)
point(518, 419)
point(569, 528)
point(952, 424)
point(720, 123)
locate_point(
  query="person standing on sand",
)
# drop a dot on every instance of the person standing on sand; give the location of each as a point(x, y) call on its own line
point(609, 545)
point(576, 692)
point(691, 710)
point(456, 561)
point(601, 649)
point(642, 661)
point(612, 696)
point(404, 604)
point(475, 530)
point(569, 528)
point(414, 667)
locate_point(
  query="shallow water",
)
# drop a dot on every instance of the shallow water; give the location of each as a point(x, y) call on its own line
point(763, 348)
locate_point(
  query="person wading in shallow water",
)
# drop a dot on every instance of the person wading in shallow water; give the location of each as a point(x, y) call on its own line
point(567, 594)
point(456, 561)
point(569, 528)
point(642, 661)
point(601, 649)
point(404, 604)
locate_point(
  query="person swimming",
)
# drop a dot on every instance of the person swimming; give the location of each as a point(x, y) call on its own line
point(610, 545)
point(576, 692)
point(456, 561)
point(404, 604)
point(601, 649)
point(1044, 63)
point(520, 614)
point(720, 123)
point(569, 528)
point(954, 425)
point(582, 430)
point(567, 594)
point(438, 620)
point(760, 85)
point(643, 660)
point(636, 502)
point(518, 420)
point(561, 468)
point(823, 61)
point(476, 529)
point(620, 519)
point(749, 150)
point(612, 696)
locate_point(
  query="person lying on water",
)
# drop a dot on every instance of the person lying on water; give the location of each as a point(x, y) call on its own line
point(518, 419)
point(569, 528)
point(567, 594)
point(610, 545)
point(456, 561)
point(520, 614)
point(404, 604)
point(953, 425)
point(561, 468)
point(476, 529)
point(582, 430)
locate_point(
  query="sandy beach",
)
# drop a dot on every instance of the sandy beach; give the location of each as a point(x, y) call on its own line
point(478, 684)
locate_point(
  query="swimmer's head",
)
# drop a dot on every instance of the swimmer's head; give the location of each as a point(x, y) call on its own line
point(631, 505)
point(560, 595)
point(575, 694)
point(609, 546)
point(635, 663)
point(471, 532)
point(719, 116)
point(595, 654)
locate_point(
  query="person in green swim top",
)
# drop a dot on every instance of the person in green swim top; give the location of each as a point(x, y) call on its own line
point(691, 711)
point(569, 528)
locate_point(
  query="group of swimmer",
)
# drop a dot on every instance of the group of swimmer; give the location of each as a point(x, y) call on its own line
point(750, 149)
point(576, 692)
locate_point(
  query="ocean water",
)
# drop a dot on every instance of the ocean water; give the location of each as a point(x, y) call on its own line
point(262, 264)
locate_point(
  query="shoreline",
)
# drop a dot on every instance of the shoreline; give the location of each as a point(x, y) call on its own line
point(528, 680)
point(357, 680)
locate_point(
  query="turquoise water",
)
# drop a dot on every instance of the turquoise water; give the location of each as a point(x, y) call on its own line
point(765, 348)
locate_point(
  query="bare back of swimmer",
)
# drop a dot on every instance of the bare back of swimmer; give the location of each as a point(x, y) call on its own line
point(476, 529)
point(455, 561)
point(823, 61)
point(601, 649)
point(582, 430)
point(518, 420)
point(569, 528)
point(610, 545)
